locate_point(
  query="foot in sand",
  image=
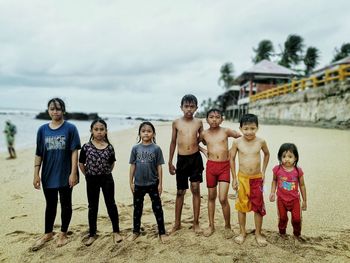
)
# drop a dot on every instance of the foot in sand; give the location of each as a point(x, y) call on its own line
point(62, 239)
point(174, 229)
point(90, 241)
point(260, 240)
point(164, 238)
point(209, 231)
point(228, 233)
point(117, 238)
point(240, 239)
point(41, 241)
point(133, 236)
point(197, 229)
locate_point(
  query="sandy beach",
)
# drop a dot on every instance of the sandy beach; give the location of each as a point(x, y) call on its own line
point(324, 157)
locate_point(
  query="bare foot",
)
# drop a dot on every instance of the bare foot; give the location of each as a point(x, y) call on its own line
point(228, 233)
point(41, 241)
point(62, 239)
point(174, 229)
point(117, 238)
point(197, 229)
point(90, 241)
point(260, 240)
point(284, 236)
point(133, 236)
point(209, 231)
point(164, 238)
point(240, 239)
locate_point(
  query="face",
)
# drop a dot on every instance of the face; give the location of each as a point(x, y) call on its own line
point(55, 111)
point(214, 119)
point(99, 131)
point(249, 131)
point(288, 159)
point(146, 133)
point(189, 108)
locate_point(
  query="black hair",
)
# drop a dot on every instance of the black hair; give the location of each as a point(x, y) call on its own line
point(104, 124)
point(214, 110)
point(249, 118)
point(152, 127)
point(60, 102)
point(190, 99)
point(288, 147)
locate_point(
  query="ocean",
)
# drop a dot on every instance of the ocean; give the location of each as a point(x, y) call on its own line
point(27, 126)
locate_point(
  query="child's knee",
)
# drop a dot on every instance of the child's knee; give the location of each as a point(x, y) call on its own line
point(180, 193)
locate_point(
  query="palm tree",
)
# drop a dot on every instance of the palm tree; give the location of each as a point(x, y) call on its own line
point(226, 77)
point(292, 52)
point(263, 51)
point(311, 59)
point(342, 53)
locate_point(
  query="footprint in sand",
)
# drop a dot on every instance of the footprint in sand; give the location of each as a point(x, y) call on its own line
point(80, 208)
point(16, 197)
point(19, 216)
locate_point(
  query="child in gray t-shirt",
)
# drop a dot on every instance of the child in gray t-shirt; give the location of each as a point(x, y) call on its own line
point(146, 177)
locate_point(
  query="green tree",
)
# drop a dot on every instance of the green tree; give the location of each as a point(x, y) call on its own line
point(292, 52)
point(311, 59)
point(226, 79)
point(263, 51)
point(341, 53)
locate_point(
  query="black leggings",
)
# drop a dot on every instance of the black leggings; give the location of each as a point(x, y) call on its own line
point(139, 194)
point(51, 196)
point(93, 185)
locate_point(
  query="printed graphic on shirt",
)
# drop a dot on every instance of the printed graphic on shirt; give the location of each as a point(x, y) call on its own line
point(55, 142)
point(288, 186)
point(145, 157)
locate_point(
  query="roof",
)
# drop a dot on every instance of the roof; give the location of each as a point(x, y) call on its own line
point(268, 68)
point(332, 65)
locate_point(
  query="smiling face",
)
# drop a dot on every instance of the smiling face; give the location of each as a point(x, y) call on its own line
point(99, 131)
point(188, 108)
point(55, 111)
point(214, 119)
point(146, 134)
point(249, 130)
point(288, 159)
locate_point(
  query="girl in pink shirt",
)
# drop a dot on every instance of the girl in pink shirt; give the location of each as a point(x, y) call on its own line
point(287, 179)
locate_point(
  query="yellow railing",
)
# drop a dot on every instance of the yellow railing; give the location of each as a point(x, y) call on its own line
point(338, 74)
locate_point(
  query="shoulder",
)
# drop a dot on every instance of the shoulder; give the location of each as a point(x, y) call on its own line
point(300, 171)
point(70, 125)
point(275, 169)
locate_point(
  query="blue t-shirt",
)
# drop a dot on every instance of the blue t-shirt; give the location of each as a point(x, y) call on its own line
point(55, 147)
point(146, 159)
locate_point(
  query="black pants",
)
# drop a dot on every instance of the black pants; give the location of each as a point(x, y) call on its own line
point(51, 196)
point(139, 194)
point(93, 185)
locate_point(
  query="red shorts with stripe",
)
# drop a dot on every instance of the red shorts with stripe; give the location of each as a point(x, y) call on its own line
point(217, 172)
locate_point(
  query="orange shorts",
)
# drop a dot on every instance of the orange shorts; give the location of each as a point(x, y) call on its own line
point(217, 172)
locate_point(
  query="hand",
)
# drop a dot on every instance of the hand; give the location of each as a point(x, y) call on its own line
point(234, 185)
point(132, 188)
point(36, 182)
point(172, 169)
point(272, 197)
point(73, 180)
point(304, 206)
point(160, 190)
point(236, 134)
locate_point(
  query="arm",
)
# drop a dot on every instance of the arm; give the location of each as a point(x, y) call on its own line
point(233, 153)
point(266, 158)
point(273, 188)
point(160, 178)
point(131, 177)
point(37, 166)
point(233, 133)
point(73, 177)
point(82, 168)
point(303, 192)
point(172, 169)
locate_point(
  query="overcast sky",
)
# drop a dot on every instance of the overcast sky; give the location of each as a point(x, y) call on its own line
point(141, 57)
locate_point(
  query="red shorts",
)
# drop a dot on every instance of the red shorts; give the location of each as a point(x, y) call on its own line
point(217, 172)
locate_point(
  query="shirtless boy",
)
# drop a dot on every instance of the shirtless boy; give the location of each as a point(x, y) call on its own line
point(189, 166)
point(250, 176)
point(218, 168)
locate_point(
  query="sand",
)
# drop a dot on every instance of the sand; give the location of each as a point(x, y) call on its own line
point(324, 157)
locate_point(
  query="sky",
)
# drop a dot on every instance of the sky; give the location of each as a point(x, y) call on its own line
point(141, 57)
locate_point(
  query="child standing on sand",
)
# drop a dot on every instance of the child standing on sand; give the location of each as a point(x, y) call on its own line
point(189, 166)
point(146, 177)
point(218, 168)
point(57, 146)
point(96, 161)
point(250, 177)
point(287, 176)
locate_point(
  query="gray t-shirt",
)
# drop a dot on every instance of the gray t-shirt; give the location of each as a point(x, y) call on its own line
point(146, 159)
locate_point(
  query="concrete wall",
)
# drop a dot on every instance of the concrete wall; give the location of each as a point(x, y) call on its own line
point(327, 106)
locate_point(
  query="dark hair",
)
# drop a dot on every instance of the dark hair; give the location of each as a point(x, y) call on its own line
point(214, 110)
point(288, 147)
point(190, 99)
point(104, 124)
point(152, 127)
point(60, 102)
point(249, 118)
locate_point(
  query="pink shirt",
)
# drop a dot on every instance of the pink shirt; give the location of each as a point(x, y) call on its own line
point(287, 182)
